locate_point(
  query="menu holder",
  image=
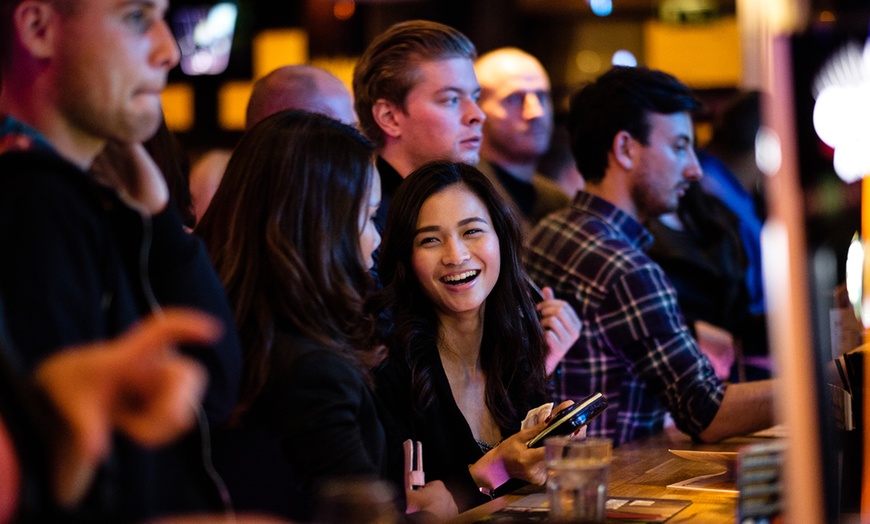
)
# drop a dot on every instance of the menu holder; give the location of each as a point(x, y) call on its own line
point(760, 482)
point(721, 482)
point(849, 369)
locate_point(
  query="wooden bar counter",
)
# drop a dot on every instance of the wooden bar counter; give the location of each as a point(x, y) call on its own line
point(645, 468)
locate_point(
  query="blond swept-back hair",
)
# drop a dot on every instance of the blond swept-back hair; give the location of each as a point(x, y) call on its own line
point(387, 69)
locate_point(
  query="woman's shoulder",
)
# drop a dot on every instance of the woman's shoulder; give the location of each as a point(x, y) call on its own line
point(304, 374)
point(303, 359)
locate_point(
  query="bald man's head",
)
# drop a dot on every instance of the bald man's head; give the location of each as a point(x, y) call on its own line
point(515, 96)
point(300, 87)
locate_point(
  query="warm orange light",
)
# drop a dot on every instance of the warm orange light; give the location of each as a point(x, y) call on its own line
point(344, 9)
point(340, 66)
point(865, 231)
point(177, 100)
point(274, 48)
point(232, 103)
point(715, 60)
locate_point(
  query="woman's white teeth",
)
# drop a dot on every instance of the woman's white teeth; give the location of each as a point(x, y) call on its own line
point(460, 278)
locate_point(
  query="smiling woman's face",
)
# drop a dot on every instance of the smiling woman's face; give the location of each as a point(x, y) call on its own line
point(455, 253)
point(369, 237)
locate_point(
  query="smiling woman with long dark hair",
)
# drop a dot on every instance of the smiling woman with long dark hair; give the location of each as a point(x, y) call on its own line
point(468, 351)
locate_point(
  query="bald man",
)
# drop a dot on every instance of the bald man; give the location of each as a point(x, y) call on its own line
point(515, 97)
point(303, 87)
point(300, 87)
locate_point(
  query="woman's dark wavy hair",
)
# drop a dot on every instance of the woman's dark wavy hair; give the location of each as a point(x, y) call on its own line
point(513, 350)
point(283, 234)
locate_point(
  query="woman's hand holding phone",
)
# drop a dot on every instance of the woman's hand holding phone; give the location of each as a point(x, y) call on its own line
point(521, 464)
point(511, 459)
point(579, 433)
point(518, 456)
point(571, 419)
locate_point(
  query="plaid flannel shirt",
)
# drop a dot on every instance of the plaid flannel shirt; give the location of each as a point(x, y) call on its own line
point(634, 346)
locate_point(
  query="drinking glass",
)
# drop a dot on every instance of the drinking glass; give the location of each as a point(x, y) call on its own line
point(577, 476)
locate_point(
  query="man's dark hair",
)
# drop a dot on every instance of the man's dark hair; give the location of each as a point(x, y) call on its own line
point(620, 100)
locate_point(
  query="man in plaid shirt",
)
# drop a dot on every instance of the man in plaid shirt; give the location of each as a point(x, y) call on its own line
point(632, 139)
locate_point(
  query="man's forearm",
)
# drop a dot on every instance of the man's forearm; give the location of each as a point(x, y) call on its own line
point(746, 407)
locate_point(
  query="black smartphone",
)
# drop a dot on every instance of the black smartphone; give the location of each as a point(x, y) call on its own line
point(571, 418)
point(537, 294)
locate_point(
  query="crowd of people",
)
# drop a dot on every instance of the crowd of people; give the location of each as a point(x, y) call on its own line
point(364, 268)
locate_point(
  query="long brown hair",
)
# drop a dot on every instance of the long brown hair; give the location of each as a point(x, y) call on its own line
point(283, 234)
point(513, 350)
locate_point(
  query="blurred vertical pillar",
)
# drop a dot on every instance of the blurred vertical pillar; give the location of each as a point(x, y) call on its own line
point(865, 446)
point(759, 22)
point(787, 293)
point(753, 42)
point(768, 26)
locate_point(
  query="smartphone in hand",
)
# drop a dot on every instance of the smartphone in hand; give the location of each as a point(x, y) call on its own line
point(571, 419)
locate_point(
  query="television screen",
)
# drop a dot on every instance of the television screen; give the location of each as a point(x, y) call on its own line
point(205, 37)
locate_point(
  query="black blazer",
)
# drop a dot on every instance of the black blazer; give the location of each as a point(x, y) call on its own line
point(316, 419)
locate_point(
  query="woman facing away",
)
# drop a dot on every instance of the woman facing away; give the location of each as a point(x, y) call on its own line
point(291, 235)
point(468, 354)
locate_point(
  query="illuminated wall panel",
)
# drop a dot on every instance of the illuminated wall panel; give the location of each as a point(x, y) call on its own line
point(342, 67)
point(178, 107)
point(278, 47)
point(701, 55)
point(232, 102)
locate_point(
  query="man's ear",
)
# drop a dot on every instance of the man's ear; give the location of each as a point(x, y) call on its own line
point(388, 116)
point(36, 25)
point(623, 148)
